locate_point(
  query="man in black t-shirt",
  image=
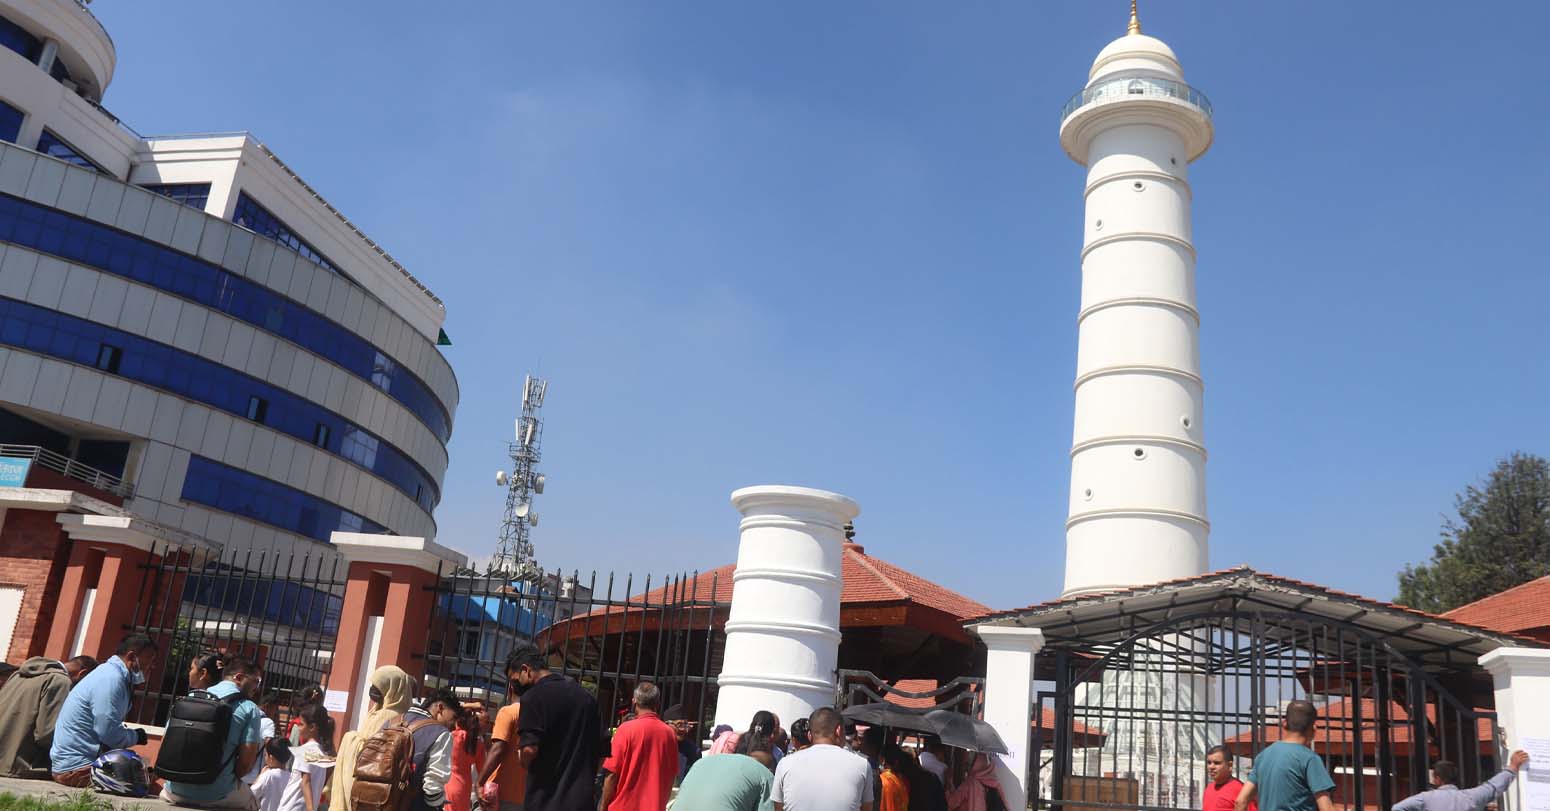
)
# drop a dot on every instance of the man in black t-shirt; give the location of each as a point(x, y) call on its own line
point(557, 732)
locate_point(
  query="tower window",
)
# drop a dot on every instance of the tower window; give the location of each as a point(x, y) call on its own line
point(320, 435)
point(108, 358)
point(258, 408)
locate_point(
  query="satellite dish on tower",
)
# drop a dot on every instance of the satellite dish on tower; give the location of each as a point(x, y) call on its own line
point(522, 510)
point(500, 478)
point(538, 484)
point(532, 518)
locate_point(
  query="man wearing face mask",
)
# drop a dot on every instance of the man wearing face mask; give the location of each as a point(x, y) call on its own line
point(92, 718)
point(558, 733)
point(505, 778)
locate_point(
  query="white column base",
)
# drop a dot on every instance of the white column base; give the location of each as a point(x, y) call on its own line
point(1009, 701)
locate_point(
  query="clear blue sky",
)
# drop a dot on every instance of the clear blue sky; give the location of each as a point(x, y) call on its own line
point(835, 244)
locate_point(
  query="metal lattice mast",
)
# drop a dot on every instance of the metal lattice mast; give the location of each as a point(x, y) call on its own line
point(514, 550)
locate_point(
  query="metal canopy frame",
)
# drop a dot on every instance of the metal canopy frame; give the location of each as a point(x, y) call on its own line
point(1166, 670)
point(1090, 622)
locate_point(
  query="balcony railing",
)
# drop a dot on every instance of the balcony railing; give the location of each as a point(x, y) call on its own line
point(70, 468)
point(1136, 87)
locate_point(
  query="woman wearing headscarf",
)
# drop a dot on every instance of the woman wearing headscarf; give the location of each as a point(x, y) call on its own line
point(979, 790)
point(392, 691)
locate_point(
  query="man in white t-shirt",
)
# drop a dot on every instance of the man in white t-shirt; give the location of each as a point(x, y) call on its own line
point(824, 776)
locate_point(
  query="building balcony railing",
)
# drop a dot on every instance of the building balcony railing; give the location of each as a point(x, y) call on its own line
point(1136, 87)
point(70, 468)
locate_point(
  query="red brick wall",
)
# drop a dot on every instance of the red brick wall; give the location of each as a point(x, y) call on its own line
point(33, 553)
point(42, 477)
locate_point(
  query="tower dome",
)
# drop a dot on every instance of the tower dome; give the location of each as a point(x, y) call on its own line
point(1136, 54)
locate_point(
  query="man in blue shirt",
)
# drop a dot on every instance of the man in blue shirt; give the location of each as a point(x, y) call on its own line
point(1445, 794)
point(240, 751)
point(92, 718)
point(1287, 775)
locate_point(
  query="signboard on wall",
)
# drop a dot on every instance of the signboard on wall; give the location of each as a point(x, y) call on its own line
point(13, 471)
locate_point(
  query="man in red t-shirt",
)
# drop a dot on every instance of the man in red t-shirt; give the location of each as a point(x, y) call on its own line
point(643, 758)
point(1222, 791)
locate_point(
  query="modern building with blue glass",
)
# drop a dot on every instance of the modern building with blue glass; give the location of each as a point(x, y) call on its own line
point(191, 337)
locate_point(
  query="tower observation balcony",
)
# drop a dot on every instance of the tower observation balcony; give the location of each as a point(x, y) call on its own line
point(1139, 98)
point(1124, 89)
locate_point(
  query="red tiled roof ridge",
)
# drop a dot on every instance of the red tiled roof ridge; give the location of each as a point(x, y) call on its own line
point(864, 562)
point(883, 583)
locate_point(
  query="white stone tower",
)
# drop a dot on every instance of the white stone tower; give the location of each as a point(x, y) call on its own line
point(1138, 490)
point(783, 629)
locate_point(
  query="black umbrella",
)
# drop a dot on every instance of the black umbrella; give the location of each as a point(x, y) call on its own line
point(888, 714)
point(965, 732)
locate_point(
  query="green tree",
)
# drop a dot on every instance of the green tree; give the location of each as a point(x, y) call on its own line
point(1500, 539)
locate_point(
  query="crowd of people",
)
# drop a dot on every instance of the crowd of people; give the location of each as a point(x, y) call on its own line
point(543, 751)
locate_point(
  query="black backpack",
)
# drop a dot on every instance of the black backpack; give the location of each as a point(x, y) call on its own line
point(196, 734)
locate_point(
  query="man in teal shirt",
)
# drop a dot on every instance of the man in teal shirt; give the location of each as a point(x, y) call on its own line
point(1287, 775)
point(240, 751)
point(726, 783)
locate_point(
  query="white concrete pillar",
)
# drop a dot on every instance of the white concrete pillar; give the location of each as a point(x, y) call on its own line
point(1009, 701)
point(1522, 677)
point(783, 629)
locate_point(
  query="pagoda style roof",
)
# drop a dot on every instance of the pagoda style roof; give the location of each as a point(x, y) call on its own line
point(874, 593)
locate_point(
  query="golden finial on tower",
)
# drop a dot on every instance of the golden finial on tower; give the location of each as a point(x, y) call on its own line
point(1135, 20)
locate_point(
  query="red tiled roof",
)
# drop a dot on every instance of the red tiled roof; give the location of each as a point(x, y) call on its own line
point(1332, 732)
point(912, 686)
point(1520, 608)
point(866, 581)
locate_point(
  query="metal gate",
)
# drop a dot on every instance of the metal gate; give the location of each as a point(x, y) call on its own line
point(279, 609)
point(1132, 719)
point(597, 630)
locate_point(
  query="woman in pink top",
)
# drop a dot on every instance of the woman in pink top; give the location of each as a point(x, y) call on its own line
point(467, 754)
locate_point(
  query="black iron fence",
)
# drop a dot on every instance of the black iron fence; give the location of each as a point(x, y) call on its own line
point(1127, 724)
point(280, 609)
point(608, 632)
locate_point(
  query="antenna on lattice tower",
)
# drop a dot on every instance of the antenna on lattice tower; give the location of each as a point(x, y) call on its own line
point(514, 549)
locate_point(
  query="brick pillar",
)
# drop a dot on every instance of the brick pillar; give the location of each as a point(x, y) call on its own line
point(105, 582)
point(34, 554)
point(386, 616)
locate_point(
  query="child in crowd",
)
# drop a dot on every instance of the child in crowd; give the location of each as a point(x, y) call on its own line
point(313, 759)
point(271, 782)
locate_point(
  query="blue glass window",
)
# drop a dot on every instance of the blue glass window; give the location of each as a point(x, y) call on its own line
point(55, 147)
point(19, 40)
point(10, 122)
point(90, 243)
point(193, 195)
point(254, 217)
point(280, 601)
point(236, 491)
point(48, 332)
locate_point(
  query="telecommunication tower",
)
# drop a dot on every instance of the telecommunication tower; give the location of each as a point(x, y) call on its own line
point(514, 550)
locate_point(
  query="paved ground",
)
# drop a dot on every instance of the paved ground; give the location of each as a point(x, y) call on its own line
point(42, 788)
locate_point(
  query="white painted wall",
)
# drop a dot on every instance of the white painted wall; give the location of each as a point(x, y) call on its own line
point(1009, 658)
point(10, 611)
point(783, 629)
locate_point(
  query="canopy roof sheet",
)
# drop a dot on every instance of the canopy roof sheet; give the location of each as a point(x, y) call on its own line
point(1097, 620)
